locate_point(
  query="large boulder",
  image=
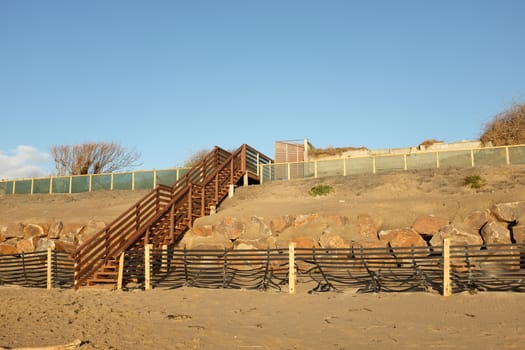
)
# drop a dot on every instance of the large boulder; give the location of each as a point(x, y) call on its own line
point(496, 233)
point(508, 212)
point(476, 219)
point(518, 232)
point(256, 228)
point(27, 245)
point(34, 230)
point(456, 237)
point(205, 230)
point(55, 229)
point(332, 240)
point(14, 230)
point(304, 242)
point(231, 228)
point(8, 249)
point(404, 237)
point(44, 244)
point(70, 232)
point(429, 224)
point(281, 223)
point(365, 229)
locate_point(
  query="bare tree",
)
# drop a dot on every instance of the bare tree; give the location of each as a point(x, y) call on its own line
point(93, 158)
point(507, 128)
point(196, 157)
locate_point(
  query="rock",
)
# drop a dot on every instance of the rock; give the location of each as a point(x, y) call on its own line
point(70, 232)
point(495, 233)
point(202, 230)
point(518, 232)
point(304, 242)
point(230, 228)
point(256, 229)
point(214, 242)
point(369, 244)
point(92, 228)
point(366, 228)
point(14, 230)
point(62, 246)
point(456, 237)
point(508, 212)
point(55, 229)
point(429, 224)
point(404, 237)
point(245, 246)
point(8, 249)
point(44, 244)
point(336, 220)
point(475, 220)
point(332, 240)
point(27, 245)
point(303, 219)
point(34, 230)
point(2, 237)
point(281, 223)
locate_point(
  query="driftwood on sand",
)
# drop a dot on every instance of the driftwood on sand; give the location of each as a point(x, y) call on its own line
point(73, 345)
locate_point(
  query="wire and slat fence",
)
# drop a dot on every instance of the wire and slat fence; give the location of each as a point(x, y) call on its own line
point(445, 269)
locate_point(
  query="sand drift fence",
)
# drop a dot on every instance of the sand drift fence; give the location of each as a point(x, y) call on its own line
point(46, 269)
point(444, 269)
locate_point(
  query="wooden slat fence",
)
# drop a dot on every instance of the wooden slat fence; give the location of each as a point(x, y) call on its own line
point(33, 270)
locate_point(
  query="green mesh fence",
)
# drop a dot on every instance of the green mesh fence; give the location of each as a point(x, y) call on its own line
point(455, 159)
point(517, 155)
point(41, 185)
point(101, 182)
point(330, 168)
point(61, 184)
point(80, 184)
point(122, 181)
point(421, 161)
point(490, 157)
point(356, 166)
point(23, 187)
point(6, 187)
point(144, 180)
point(167, 177)
point(390, 163)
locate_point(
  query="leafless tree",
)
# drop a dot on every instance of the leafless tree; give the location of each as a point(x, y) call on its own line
point(93, 158)
point(507, 128)
point(196, 157)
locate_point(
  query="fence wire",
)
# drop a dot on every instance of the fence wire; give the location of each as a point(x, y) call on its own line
point(390, 269)
point(31, 270)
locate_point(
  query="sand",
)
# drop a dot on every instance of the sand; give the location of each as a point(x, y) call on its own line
point(191, 318)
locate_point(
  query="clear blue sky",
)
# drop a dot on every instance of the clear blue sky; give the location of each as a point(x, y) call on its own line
point(169, 78)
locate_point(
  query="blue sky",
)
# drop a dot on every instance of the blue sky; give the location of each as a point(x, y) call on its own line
point(169, 78)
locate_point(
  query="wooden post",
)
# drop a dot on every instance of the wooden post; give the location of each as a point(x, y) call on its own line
point(291, 268)
point(405, 162)
point(437, 160)
point(507, 155)
point(231, 191)
point(213, 209)
point(245, 180)
point(32, 185)
point(373, 165)
point(447, 288)
point(472, 163)
point(147, 267)
point(49, 268)
point(120, 276)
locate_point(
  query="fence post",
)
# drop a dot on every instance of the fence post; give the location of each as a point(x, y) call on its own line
point(472, 162)
point(32, 185)
point(49, 268)
point(437, 160)
point(51, 185)
point(447, 290)
point(291, 268)
point(147, 267)
point(507, 155)
point(373, 165)
point(120, 276)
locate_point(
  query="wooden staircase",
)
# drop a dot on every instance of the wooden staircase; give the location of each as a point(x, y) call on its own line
point(163, 216)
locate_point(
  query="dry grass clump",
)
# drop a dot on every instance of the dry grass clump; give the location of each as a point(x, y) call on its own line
point(429, 142)
point(334, 151)
point(507, 128)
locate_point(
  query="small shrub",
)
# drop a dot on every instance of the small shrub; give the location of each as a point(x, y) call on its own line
point(320, 190)
point(474, 181)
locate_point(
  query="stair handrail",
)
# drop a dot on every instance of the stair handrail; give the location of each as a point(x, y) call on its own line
point(100, 246)
point(237, 155)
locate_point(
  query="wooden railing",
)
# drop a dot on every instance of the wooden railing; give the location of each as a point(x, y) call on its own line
point(162, 216)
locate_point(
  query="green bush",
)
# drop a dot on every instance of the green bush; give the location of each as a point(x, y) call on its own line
point(474, 181)
point(320, 190)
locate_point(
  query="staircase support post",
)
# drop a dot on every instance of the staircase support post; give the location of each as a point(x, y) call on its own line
point(120, 276)
point(147, 267)
point(231, 191)
point(49, 268)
